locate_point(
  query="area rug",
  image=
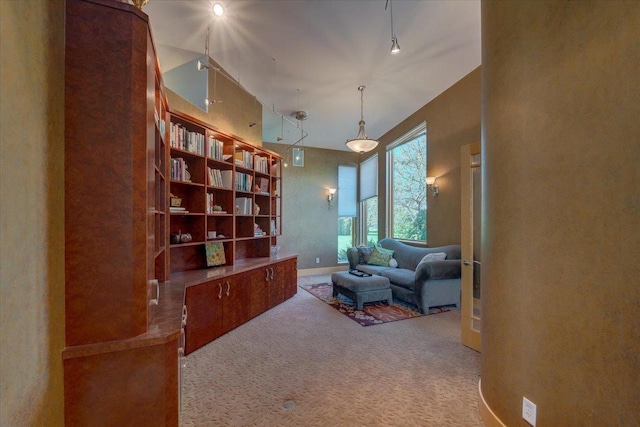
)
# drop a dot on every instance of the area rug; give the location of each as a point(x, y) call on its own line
point(373, 313)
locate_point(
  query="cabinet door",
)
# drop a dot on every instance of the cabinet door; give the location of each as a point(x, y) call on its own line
point(276, 285)
point(290, 278)
point(235, 297)
point(204, 304)
point(259, 291)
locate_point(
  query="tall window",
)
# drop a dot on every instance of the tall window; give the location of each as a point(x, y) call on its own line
point(407, 208)
point(347, 190)
point(369, 200)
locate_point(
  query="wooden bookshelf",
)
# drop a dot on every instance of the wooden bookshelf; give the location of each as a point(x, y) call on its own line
point(227, 187)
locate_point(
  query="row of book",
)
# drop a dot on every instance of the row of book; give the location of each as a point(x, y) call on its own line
point(244, 182)
point(262, 164)
point(160, 123)
point(244, 205)
point(243, 158)
point(215, 149)
point(184, 139)
point(220, 178)
point(179, 170)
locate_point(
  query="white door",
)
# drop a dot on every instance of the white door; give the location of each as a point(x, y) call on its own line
point(471, 257)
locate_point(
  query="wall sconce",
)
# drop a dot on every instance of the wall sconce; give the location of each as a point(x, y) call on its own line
point(331, 192)
point(431, 185)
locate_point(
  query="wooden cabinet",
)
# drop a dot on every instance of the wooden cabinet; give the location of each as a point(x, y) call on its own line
point(120, 361)
point(216, 306)
point(204, 308)
point(228, 192)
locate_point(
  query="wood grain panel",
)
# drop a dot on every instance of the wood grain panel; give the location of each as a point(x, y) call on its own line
point(105, 176)
point(259, 293)
point(236, 297)
point(204, 309)
point(131, 387)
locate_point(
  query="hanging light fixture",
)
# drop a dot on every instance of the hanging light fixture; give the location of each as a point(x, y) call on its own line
point(361, 143)
point(395, 47)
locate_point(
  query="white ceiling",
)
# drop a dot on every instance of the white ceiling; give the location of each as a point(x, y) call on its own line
point(312, 55)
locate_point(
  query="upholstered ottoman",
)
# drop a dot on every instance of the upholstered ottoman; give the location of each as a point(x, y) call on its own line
point(361, 289)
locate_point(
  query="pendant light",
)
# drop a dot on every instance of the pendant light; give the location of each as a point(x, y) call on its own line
point(361, 143)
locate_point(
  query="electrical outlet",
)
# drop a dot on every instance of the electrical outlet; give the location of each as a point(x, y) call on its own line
point(317, 260)
point(529, 411)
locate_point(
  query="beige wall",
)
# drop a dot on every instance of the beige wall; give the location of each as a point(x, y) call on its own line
point(309, 228)
point(561, 156)
point(31, 212)
point(233, 115)
point(453, 120)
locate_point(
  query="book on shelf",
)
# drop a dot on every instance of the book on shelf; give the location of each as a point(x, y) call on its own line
point(182, 138)
point(179, 170)
point(214, 149)
point(263, 185)
point(178, 210)
point(261, 163)
point(244, 158)
point(218, 178)
point(244, 182)
point(244, 205)
point(215, 254)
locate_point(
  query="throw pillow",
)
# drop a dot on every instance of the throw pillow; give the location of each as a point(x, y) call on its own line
point(380, 256)
point(436, 256)
point(364, 252)
point(393, 263)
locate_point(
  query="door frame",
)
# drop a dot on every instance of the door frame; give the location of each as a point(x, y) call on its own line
point(470, 335)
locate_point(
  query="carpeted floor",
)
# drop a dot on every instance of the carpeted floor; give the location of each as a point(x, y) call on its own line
point(303, 363)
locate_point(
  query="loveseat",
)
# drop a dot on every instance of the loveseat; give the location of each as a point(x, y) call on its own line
point(425, 283)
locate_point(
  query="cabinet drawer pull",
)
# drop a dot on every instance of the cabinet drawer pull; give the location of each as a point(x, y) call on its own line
point(266, 270)
point(228, 287)
point(184, 315)
point(271, 273)
point(220, 291)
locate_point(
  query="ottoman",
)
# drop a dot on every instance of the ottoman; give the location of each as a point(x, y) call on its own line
point(361, 289)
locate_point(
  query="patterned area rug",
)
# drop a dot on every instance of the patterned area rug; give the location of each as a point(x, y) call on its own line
point(373, 313)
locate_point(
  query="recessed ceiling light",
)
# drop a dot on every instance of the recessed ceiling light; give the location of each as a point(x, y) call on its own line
point(217, 9)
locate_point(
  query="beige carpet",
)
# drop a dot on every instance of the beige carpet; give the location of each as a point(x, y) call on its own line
point(303, 363)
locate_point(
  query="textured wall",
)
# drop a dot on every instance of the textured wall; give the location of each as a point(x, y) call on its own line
point(453, 120)
point(238, 108)
point(309, 228)
point(31, 218)
point(561, 156)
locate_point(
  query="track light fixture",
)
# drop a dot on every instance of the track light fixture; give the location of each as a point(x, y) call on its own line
point(395, 47)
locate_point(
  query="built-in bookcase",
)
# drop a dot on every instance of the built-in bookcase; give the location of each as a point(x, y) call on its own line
point(222, 189)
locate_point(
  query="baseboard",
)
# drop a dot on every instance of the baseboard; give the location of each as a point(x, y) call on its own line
point(323, 270)
point(489, 418)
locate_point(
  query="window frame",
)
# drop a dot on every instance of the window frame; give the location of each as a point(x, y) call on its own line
point(406, 138)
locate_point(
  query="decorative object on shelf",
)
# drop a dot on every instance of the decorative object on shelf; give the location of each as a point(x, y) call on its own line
point(212, 234)
point(275, 249)
point(215, 254)
point(180, 238)
point(331, 192)
point(395, 47)
point(256, 209)
point(175, 202)
point(139, 3)
point(431, 185)
point(361, 143)
point(217, 208)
